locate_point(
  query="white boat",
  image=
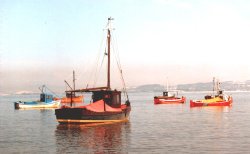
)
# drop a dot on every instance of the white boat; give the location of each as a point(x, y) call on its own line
point(46, 101)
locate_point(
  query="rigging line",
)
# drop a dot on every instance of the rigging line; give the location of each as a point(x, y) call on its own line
point(119, 64)
point(117, 51)
point(70, 80)
point(120, 70)
point(124, 90)
point(124, 85)
point(118, 59)
point(51, 91)
point(116, 54)
point(93, 73)
point(69, 77)
point(81, 73)
point(88, 71)
point(66, 87)
point(99, 72)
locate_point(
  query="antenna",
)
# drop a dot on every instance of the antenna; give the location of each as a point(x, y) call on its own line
point(110, 18)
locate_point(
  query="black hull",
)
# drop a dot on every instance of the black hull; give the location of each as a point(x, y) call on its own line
point(81, 115)
point(16, 105)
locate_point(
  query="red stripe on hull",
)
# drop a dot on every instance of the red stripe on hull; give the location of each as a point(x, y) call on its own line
point(200, 104)
point(170, 101)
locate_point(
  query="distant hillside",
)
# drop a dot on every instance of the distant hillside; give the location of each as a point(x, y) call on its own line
point(196, 87)
point(228, 86)
point(148, 87)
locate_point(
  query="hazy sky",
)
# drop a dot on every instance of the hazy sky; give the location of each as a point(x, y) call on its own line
point(186, 41)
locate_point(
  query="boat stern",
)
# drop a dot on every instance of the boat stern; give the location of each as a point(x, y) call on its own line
point(16, 105)
point(156, 100)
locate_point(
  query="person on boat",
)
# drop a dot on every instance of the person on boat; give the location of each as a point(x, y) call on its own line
point(226, 97)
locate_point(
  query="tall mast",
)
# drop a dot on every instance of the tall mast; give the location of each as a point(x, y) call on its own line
point(109, 38)
point(213, 85)
point(167, 84)
point(74, 79)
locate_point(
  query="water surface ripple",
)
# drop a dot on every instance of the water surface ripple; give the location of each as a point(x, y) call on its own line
point(151, 129)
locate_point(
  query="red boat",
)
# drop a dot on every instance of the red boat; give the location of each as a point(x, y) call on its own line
point(106, 103)
point(70, 97)
point(217, 101)
point(169, 99)
point(73, 99)
point(220, 99)
point(76, 99)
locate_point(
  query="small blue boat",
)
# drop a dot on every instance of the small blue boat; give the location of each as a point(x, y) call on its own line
point(46, 101)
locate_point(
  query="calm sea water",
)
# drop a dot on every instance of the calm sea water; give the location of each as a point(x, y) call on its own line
point(151, 129)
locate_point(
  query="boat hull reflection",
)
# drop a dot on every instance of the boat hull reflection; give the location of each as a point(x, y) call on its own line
point(93, 138)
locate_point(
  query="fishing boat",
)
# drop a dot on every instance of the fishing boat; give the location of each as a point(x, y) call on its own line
point(218, 99)
point(168, 98)
point(71, 97)
point(46, 101)
point(106, 103)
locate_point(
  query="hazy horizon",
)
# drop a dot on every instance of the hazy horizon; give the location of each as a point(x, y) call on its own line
point(42, 42)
